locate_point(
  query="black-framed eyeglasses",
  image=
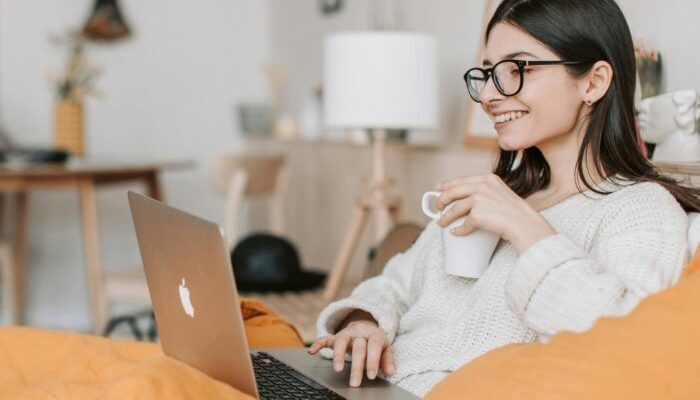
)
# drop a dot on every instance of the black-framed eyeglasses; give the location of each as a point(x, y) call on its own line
point(507, 76)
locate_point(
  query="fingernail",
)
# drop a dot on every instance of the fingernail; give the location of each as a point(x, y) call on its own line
point(371, 374)
point(338, 367)
point(354, 382)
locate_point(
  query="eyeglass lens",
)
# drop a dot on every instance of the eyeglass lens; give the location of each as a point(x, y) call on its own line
point(506, 75)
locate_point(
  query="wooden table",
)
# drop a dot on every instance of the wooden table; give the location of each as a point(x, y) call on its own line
point(83, 175)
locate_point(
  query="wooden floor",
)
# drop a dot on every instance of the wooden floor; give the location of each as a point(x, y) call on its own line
point(301, 309)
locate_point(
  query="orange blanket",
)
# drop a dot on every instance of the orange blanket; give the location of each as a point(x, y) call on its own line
point(42, 364)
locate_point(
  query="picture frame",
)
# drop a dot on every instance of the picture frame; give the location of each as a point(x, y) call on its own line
point(478, 128)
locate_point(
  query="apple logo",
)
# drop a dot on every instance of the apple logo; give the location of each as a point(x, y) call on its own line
point(185, 299)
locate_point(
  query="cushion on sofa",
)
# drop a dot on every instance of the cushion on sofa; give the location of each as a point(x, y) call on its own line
point(43, 364)
point(652, 353)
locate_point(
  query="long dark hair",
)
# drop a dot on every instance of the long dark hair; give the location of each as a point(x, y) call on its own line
point(591, 31)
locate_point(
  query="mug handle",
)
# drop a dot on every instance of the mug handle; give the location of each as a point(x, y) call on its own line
point(425, 204)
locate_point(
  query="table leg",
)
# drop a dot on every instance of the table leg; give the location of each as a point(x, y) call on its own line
point(7, 278)
point(88, 205)
point(395, 211)
point(154, 189)
point(20, 259)
point(3, 196)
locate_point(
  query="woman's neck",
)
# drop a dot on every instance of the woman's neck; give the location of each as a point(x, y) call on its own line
point(561, 156)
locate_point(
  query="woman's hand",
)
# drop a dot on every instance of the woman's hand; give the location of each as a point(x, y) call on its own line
point(489, 204)
point(368, 344)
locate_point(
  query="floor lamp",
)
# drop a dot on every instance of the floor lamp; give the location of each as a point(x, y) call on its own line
point(377, 80)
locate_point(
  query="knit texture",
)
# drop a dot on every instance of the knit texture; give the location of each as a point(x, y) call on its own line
point(609, 252)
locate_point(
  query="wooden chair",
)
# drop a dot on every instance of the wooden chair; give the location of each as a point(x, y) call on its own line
point(240, 176)
point(399, 239)
point(235, 176)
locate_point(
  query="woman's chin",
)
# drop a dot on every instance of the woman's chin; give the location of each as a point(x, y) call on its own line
point(506, 143)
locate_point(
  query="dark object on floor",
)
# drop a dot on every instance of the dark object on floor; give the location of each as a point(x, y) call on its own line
point(32, 156)
point(106, 22)
point(132, 321)
point(264, 262)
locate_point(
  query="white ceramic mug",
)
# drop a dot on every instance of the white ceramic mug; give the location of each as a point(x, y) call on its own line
point(464, 256)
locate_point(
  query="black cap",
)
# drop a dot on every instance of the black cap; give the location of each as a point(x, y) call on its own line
point(263, 262)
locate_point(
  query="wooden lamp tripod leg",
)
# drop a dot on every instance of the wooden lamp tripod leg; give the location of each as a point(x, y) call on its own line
point(342, 262)
point(386, 211)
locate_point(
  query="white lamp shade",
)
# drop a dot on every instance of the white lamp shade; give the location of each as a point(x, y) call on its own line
point(380, 79)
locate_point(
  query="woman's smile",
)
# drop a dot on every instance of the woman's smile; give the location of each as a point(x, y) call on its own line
point(501, 119)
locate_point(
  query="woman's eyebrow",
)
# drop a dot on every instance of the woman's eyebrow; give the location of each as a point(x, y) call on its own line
point(520, 54)
point(517, 54)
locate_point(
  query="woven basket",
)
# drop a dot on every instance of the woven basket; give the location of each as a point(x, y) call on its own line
point(69, 132)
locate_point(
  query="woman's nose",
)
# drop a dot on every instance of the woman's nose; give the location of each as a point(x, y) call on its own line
point(490, 93)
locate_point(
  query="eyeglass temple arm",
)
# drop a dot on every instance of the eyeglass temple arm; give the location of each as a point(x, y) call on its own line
point(552, 62)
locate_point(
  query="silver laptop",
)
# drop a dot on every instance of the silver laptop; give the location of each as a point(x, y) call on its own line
point(199, 320)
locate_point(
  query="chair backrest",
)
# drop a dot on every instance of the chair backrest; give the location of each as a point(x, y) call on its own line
point(240, 176)
point(399, 239)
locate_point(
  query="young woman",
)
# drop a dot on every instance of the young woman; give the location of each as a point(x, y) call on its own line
point(588, 227)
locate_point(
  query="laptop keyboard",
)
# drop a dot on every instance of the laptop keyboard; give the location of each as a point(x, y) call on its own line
point(277, 380)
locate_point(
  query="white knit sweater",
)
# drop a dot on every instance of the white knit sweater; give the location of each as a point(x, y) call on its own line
point(610, 251)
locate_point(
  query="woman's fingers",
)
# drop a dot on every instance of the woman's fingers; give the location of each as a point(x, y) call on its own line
point(375, 344)
point(320, 343)
point(458, 210)
point(359, 353)
point(466, 228)
point(340, 346)
point(460, 181)
point(455, 193)
point(370, 350)
point(387, 361)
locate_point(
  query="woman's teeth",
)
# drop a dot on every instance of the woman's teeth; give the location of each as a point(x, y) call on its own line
point(508, 116)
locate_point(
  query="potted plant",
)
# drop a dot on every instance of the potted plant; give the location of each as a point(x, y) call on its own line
point(648, 69)
point(71, 86)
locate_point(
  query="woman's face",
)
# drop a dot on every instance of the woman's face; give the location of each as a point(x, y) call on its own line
point(549, 106)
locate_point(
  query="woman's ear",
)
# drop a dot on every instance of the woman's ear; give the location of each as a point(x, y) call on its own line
point(597, 82)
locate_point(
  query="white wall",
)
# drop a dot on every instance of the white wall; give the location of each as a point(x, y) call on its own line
point(170, 92)
point(298, 29)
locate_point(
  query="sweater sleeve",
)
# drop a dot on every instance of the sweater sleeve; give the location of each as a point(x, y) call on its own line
point(386, 296)
point(638, 250)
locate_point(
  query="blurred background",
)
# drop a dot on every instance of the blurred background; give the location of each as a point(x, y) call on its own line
point(183, 83)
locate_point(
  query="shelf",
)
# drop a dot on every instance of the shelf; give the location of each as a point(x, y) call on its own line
point(436, 147)
point(684, 168)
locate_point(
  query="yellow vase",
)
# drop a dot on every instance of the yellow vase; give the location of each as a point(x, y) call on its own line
point(69, 133)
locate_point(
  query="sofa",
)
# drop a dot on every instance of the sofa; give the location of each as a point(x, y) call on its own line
point(651, 353)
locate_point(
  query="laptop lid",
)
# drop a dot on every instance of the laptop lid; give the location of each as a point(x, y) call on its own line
point(193, 292)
